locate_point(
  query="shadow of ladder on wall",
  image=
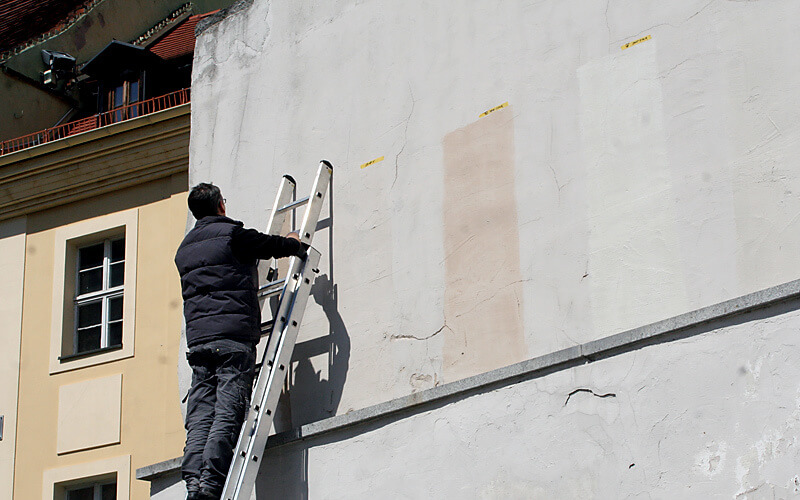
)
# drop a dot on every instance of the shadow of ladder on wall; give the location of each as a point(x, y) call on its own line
point(294, 291)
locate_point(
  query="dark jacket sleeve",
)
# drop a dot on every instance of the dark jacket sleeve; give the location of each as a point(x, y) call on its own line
point(248, 244)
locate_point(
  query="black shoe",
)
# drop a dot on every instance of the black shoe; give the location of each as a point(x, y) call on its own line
point(207, 495)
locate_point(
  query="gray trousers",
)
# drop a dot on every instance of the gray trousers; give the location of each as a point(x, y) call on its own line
point(222, 381)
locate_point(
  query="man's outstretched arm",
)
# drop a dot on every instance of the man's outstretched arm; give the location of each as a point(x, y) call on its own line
point(250, 244)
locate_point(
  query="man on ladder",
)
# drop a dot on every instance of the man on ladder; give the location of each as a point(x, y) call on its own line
point(219, 279)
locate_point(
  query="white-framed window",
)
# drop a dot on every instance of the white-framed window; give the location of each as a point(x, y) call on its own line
point(99, 296)
point(56, 483)
point(94, 291)
point(95, 491)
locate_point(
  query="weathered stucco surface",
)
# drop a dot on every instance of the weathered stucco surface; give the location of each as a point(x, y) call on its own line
point(703, 405)
point(711, 416)
point(641, 183)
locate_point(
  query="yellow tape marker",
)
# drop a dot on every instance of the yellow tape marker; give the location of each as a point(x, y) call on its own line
point(631, 44)
point(493, 109)
point(373, 162)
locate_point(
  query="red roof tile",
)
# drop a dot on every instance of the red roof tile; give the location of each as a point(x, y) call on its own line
point(24, 20)
point(179, 41)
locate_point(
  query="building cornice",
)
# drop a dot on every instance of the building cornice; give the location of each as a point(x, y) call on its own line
point(95, 162)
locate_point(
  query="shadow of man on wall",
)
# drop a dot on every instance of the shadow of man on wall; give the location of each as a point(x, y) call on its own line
point(310, 397)
point(313, 397)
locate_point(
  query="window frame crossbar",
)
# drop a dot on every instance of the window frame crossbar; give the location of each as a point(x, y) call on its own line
point(104, 295)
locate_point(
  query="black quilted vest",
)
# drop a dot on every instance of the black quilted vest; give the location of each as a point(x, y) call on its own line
point(219, 291)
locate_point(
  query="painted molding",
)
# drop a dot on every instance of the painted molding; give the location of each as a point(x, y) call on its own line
point(95, 162)
point(89, 414)
point(55, 480)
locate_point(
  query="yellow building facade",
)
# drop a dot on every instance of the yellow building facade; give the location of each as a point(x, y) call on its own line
point(91, 309)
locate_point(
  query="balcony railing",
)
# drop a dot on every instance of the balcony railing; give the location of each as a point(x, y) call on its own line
point(116, 115)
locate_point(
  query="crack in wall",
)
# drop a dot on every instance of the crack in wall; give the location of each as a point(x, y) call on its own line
point(457, 248)
point(666, 73)
point(492, 296)
point(608, 26)
point(582, 389)
point(414, 337)
point(699, 11)
point(636, 35)
point(405, 134)
point(559, 186)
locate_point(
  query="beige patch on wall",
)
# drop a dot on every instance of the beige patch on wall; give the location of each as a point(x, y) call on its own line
point(483, 288)
point(89, 414)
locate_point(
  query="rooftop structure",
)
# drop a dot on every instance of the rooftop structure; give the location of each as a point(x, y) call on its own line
point(93, 160)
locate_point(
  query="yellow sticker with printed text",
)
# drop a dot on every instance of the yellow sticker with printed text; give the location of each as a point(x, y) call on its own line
point(373, 162)
point(631, 44)
point(505, 104)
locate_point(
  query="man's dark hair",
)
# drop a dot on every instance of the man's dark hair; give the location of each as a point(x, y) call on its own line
point(204, 200)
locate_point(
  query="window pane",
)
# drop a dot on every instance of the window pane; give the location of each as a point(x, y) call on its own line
point(90, 314)
point(133, 98)
point(90, 281)
point(118, 250)
point(119, 96)
point(88, 339)
point(115, 309)
point(116, 276)
point(115, 334)
point(90, 256)
point(109, 492)
point(86, 493)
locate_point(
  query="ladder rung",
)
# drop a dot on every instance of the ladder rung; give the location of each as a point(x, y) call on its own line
point(266, 327)
point(271, 288)
point(295, 204)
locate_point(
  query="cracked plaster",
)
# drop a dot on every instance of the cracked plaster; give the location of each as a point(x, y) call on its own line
point(647, 182)
point(689, 434)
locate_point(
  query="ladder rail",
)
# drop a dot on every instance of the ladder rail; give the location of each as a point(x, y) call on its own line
point(309, 224)
point(287, 190)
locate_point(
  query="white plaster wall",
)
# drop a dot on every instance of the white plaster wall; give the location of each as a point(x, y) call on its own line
point(12, 248)
point(168, 488)
point(648, 181)
point(711, 416)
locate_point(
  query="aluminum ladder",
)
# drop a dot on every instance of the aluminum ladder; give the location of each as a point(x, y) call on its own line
point(294, 291)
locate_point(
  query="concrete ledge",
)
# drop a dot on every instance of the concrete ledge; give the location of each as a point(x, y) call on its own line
point(95, 162)
point(600, 348)
point(150, 472)
point(96, 133)
point(636, 338)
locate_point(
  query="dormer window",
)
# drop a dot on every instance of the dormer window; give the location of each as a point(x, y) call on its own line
point(119, 73)
point(122, 97)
